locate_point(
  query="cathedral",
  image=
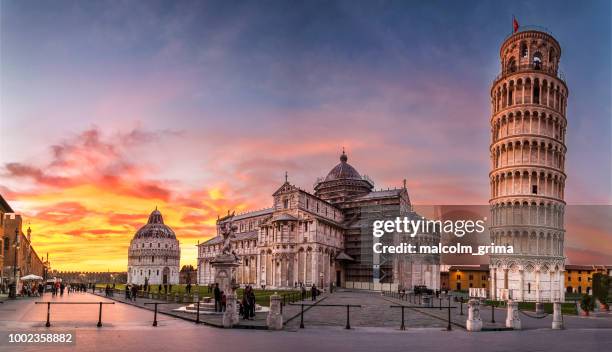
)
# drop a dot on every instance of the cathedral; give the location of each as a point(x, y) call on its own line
point(324, 238)
point(154, 254)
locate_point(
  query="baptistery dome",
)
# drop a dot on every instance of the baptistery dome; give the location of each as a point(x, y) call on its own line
point(155, 228)
point(154, 254)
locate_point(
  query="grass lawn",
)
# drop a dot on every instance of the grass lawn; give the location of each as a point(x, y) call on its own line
point(566, 308)
point(262, 297)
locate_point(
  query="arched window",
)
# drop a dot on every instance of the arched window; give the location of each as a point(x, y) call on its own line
point(537, 61)
point(551, 57)
point(536, 93)
point(511, 65)
point(152, 259)
point(523, 50)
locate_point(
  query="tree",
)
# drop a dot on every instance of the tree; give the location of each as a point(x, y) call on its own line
point(587, 304)
point(601, 288)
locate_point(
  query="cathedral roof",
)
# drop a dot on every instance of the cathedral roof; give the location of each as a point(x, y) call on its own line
point(343, 170)
point(249, 235)
point(155, 228)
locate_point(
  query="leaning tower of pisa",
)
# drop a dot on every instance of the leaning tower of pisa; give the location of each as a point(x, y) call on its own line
point(528, 124)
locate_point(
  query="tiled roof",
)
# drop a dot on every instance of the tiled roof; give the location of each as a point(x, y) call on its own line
point(481, 267)
point(381, 194)
point(249, 235)
point(252, 214)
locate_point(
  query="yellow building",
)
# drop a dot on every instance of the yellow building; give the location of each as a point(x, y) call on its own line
point(463, 277)
point(579, 278)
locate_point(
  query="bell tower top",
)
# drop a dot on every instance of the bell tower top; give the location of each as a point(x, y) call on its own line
point(530, 48)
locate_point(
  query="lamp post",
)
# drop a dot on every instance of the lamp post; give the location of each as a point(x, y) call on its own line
point(13, 288)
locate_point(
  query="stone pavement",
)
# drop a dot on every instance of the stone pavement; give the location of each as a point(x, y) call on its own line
point(375, 311)
point(127, 328)
point(24, 314)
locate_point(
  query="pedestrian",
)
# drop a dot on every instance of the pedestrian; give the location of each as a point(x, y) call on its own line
point(246, 310)
point(251, 298)
point(127, 292)
point(134, 292)
point(62, 287)
point(217, 295)
point(159, 288)
point(188, 288)
point(313, 292)
point(303, 291)
point(223, 301)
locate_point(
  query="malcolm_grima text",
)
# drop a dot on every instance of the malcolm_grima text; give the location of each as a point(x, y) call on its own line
point(457, 248)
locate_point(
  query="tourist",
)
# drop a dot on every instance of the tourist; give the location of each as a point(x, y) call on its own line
point(134, 292)
point(62, 287)
point(188, 288)
point(217, 294)
point(127, 292)
point(251, 298)
point(223, 301)
point(313, 292)
point(245, 310)
point(41, 289)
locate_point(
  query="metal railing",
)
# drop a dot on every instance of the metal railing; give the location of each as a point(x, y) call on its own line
point(406, 297)
point(348, 311)
point(48, 323)
point(536, 67)
point(155, 310)
point(529, 27)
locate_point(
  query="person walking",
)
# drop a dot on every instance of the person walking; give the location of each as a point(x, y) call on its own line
point(134, 292)
point(223, 301)
point(251, 298)
point(217, 295)
point(246, 310)
point(303, 291)
point(127, 292)
point(313, 292)
point(188, 288)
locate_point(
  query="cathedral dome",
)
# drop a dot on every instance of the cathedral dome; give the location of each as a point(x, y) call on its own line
point(343, 170)
point(155, 228)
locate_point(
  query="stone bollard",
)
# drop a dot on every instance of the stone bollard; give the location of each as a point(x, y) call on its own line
point(557, 323)
point(177, 297)
point(539, 308)
point(512, 316)
point(474, 323)
point(195, 298)
point(230, 316)
point(275, 318)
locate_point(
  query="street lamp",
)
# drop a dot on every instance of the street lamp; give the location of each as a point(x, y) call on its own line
point(13, 288)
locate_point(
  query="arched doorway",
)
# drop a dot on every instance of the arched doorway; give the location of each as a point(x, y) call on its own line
point(165, 275)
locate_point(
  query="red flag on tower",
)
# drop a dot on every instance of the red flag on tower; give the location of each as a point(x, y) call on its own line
point(515, 24)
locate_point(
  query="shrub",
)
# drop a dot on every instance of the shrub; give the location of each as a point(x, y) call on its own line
point(587, 303)
point(601, 287)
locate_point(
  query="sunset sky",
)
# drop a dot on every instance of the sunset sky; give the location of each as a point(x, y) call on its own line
point(109, 109)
